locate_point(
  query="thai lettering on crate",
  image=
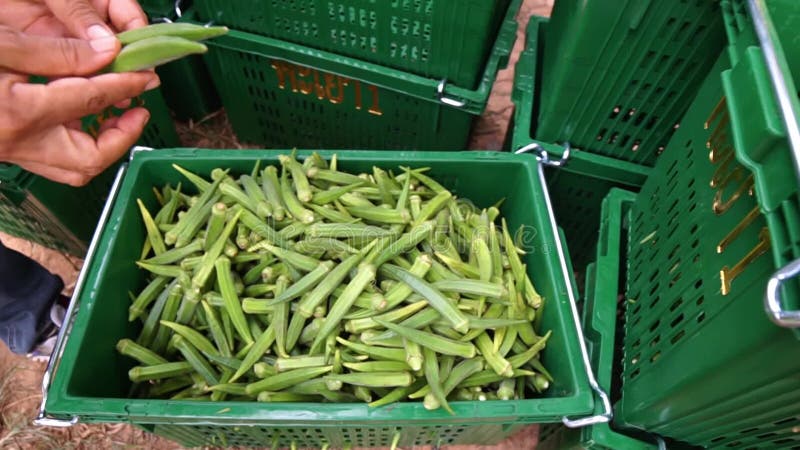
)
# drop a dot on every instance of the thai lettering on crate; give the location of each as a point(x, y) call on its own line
point(327, 86)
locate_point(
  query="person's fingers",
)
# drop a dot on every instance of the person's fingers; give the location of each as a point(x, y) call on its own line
point(78, 97)
point(56, 174)
point(81, 18)
point(40, 55)
point(126, 14)
point(66, 150)
point(124, 104)
point(118, 136)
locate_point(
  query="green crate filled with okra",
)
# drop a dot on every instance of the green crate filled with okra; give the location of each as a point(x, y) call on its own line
point(365, 298)
point(711, 328)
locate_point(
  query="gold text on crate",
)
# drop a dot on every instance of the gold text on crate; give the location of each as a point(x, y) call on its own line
point(323, 85)
point(728, 172)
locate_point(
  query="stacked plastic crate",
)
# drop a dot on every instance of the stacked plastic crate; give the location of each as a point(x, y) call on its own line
point(710, 242)
point(395, 74)
point(613, 84)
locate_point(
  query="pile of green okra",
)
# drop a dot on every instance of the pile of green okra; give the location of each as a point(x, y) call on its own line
point(305, 283)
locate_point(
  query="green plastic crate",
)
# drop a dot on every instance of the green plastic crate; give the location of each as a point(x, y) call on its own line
point(62, 217)
point(617, 79)
point(282, 95)
point(101, 320)
point(441, 39)
point(603, 286)
point(703, 361)
point(578, 188)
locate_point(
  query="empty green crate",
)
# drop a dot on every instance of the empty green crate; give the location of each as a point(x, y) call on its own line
point(617, 79)
point(441, 39)
point(101, 321)
point(603, 286)
point(281, 95)
point(63, 217)
point(703, 362)
point(578, 188)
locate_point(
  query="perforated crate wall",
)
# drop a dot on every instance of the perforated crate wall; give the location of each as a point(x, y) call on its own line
point(690, 338)
point(616, 81)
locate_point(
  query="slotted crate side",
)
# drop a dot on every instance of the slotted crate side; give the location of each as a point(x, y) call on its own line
point(618, 80)
point(700, 254)
point(278, 94)
point(62, 217)
point(599, 321)
point(578, 188)
point(441, 39)
point(410, 436)
point(100, 321)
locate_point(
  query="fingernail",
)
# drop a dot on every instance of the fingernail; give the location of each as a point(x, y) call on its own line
point(146, 117)
point(152, 84)
point(101, 39)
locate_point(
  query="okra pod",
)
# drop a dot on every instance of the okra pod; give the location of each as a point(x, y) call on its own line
point(500, 365)
point(366, 274)
point(298, 176)
point(299, 362)
point(383, 354)
point(374, 379)
point(431, 368)
point(193, 336)
point(305, 307)
point(285, 379)
point(293, 205)
point(199, 364)
point(140, 374)
point(232, 304)
point(436, 299)
point(147, 296)
point(261, 345)
point(133, 350)
point(377, 366)
point(435, 342)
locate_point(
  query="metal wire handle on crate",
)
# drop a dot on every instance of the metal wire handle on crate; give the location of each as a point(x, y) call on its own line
point(42, 418)
point(773, 303)
point(544, 160)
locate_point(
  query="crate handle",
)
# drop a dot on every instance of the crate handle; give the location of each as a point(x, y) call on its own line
point(772, 299)
point(440, 95)
point(776, 67)
point(42, 419)
point(544, 160)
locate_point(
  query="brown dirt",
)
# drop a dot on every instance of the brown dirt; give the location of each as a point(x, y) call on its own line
point(20, 378)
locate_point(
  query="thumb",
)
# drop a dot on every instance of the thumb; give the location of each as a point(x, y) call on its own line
point(83, 21)
point(54, 57)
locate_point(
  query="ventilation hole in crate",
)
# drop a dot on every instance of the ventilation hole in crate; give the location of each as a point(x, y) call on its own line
point(651, 123)
point(615, 112)
point(636, 321)
point(636, 145)
point(624, 140)
point(613, 139)
point(786, 421)
point(654, 289)
point(629, 114)
point(655, 325)
point(717, 439)
point(677, 303)
point(701, 317)
point(635, 359)
point(635, 373)
point(602, 134)
point(766, 435)
point(655, 301)
point(733, 444)
point(637, 343)
point(677, 337)
point(655, 341)
point(639, 119)
point(655, 357)
point(676, 321)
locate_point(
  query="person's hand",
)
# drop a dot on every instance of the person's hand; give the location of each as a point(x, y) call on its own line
point(68, 40)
